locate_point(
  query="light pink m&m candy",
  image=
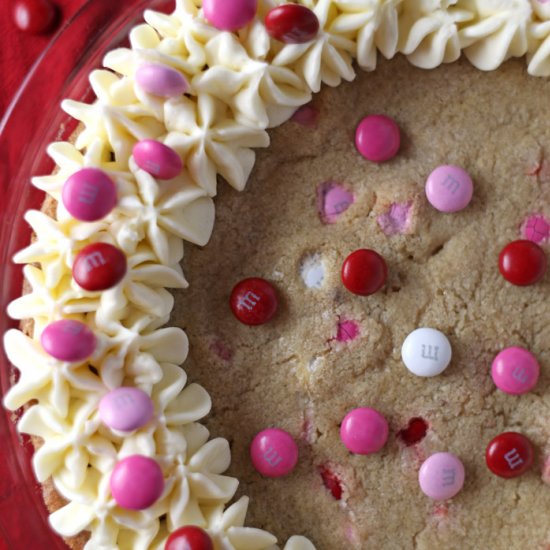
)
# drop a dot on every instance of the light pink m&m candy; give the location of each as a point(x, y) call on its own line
point(157, 159)
point(68, 340)
point(441, 476)
point(449, 188)
point(364, 431)
point(126, 409)
point(229, 15)
point(161, 80)
point(89, 194)
point(136, 482)
point(274, 452)
point(515, 371)
point(378, 138)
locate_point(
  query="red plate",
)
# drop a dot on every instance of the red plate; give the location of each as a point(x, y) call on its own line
point(33, 120)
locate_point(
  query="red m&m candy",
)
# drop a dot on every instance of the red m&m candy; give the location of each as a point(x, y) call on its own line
point(99, 266)
point(254, 301)
point(189, 537)
point(509, 455)
point(292, 24)
point(522, 263)
point(364, 272)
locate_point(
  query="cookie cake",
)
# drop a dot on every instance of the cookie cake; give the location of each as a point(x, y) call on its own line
point(366, 333)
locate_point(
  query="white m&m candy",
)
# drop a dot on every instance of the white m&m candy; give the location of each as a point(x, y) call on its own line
point(426, 352)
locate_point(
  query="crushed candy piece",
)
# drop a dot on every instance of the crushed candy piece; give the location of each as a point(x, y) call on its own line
point(333, 200)
point(397, 220)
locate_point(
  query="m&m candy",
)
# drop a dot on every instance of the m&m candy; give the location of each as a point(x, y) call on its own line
point(68, 340)
point(364, 431)
point(509, 455)
point(190, 537)
point(274, 452)
point(364, 272)
point(99, 266)
point(126, 409)
point(426, 352)
point(254, 301)
point(441, 476)
point(515, 370)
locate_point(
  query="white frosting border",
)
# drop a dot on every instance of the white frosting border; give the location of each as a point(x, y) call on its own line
point(241, 84)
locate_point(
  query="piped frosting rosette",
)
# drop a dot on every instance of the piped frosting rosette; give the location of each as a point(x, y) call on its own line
point(222, 90)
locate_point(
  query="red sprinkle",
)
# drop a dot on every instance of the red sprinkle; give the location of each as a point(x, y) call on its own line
point(522, 263)
point(189, 537)
point(331, 481)
point(99, 266)
point(364, 272)
point(254, 301)
point(414, 432)
point(34, 16)
point(292, 24)
point(509, 455)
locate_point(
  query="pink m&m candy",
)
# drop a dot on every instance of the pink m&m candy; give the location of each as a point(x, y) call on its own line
point(68, 340)
point(378, 138)
point(449, 188)
point(126, 409)
point(161, 80)
point(157, 159)
point(274, 452)
point(515, 370)
point(89, 194)
point(364, 431)
point(441, 476)
point(229, 15)
point(136, 482)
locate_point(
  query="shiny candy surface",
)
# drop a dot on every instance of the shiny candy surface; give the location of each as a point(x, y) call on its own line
point(161, 80)
point(89, 194)
point(522, 263)
point(99, 266)
point(34, 16)
point(189, 537)
point(157, 159)
point(515, 370)
point(254, 301)
point(509, 455)
point(364, 431)
point(136, 482)
point(364, 272)
point(229, 15)
point(292, 24)
point(378, 138)
point(68, 340)
point(274, 452)
point(426, 352)
point(126, 409)
point(449, 188)
point(441, 476)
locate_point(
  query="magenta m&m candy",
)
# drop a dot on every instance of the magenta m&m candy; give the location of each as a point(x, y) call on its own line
point(364, 272)
point(378, 138)
point(157, 159)
point(441, 476)
point(126, 409)
point(89, 194)
point(68, 340)
point(254, 301)
point(99, 266)
point(509, 455)
point(161, 80)
point(34, 16)
point(274, 452)
point(292, 24)
point(515, 370)
point(364, 431)
point(522, 263)
point(229, 16)
point(189, 537)
point(136, 482)
point(449, 188)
